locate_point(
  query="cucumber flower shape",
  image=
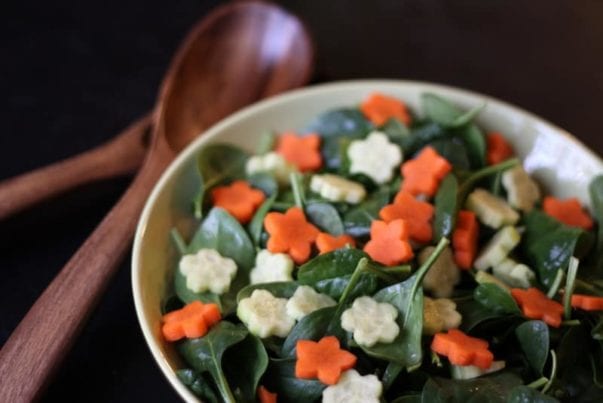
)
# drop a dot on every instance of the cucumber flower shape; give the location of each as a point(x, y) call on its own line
point(271, 267)
point(265, 315)
point(272, 163)
point(439, 315)
point(371, 322)
point(337, 189)
point(354, 388)
point(375, 157)
point(208, 270)
point(305, 301)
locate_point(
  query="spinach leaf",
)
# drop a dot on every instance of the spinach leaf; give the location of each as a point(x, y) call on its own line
point(396, 131)
point(257, 222)
point(469, 183)
point(596, 197)
point(493, 297)
point(597, 330)
point(408, 399)
point(244, 365)
point(422, 135)
point(475, 145)
point(446, 207)
point(205, 354)
point(325, 217)
point(197, 384)
point(454, 151)
point(282, 380)
point(548, 244)
point(524, 394)
point(474, 314)
point(493, 388)
point(281, 289)
point(311, 327)
point(443, 112)
point(357, 221)
point(265, 143)
point(330, 273)
point(217, 163)
point(533, 337)
point(263, 181)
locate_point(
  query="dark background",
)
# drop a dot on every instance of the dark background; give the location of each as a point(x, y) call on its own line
point(73, 73)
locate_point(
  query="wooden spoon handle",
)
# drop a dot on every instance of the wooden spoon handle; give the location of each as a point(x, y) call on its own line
point(120, 156)
point(42, 339)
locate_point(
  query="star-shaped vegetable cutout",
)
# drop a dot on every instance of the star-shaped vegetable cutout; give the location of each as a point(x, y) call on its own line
point(536, 305)
point(462, 349)
point(301, 151)
point(327, 242)
point(324, 360)
point(239, 199)
point(416, 213)
point(567, 211)
point(290, 233)
point(587, 302)
point(379, 108)
point(422, 174)
point(389, 242)
point(265, 396)
point(192, 321)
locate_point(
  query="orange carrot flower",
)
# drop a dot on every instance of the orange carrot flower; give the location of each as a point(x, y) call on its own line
point(536, 305)
point(301, 151)
point(422, 175)
point(327, 242)
point(462, 349)
point(498, 149)
point(389, 243)
point(379, 108)
point(239, 199)
point(464, 239)
point(417, 215)
point(192, 321)
point(567, 211)
point(290, 233)
point(324, 360)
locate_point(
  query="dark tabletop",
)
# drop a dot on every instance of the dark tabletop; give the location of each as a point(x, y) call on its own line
point(73, 73)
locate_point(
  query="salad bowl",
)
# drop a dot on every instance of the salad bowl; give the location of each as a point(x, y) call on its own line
point(559, 162)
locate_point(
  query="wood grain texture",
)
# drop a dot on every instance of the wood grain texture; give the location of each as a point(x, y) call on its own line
point(240, 53)
point(120, 156)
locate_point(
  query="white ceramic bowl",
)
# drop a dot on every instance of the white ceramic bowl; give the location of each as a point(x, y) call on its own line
point(560, 162)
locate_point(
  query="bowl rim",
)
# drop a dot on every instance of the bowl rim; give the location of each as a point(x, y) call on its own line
point(255, 108)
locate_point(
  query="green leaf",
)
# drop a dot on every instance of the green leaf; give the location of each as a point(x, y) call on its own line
point(475, 145)
point(422, 135)
point(357, 221)
point(446, 208)
point(281, 289)
point(217, 163)
point(311, 327)
point(325, 217)
point(281, 379)
point(454, 151)
point(525, 394)
point(469, 183)
point(256, 225)
point(197, 384)
point(340, 122)
point(493, 388)
point(474, 314)
point(205, 354)
point(244, 365)
point(596, 198)
point(396, 131)
point(597, 330)
point(408, 399)
point(548, 244)
point(533, 337)
point(493, 297)
point(265, 143)
point(443, 112)
point(263, 181)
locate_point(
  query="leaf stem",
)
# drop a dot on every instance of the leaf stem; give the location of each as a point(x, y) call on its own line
point(569, 287)
point(547, 386)
point(298, 192)
point(538, 382)
point(178, 241)
point(481, 174)
point(360, 267)
point(572, 322)
point(556, 283)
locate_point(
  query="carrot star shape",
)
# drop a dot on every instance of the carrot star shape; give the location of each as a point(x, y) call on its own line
point(192, 321)
point(417, 215)
point(464, 239)
point(536, 305)
point(290, 233)
point(462, 349)
point(303, 152)
point(327, 242)
point(567, 211)
point(265, 396)
point(379, 108)
point(239, 199)
point(587, 302)
point(422, 175)
point(389, 242)
point(324, 360)
point(498, 148)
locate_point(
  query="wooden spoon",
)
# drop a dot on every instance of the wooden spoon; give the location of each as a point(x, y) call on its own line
point(239, 53)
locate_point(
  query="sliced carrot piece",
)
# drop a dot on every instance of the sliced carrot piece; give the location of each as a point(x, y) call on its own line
point(327, 242)
point(536, 305)
point(191, 321)
point(498, 149)
point(290, 233)
point(416, 213)
point(464, 239)
point(265, 396)
point(324, 360)
point(587, 302)
point(379, 108)
point(423, 174)
point(239, 199)
point(389, 243)
point(568, 211)
point(462, 349)
point(301, 151)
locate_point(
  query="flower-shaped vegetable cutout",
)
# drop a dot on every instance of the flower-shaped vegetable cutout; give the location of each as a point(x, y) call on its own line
point(423, 174)
point(498, 148)
point(439, 315)
point(305, 301)
point(265, 396)
point(389, 243)
point(265, 315)
point(208, 270)
point(567, 211)
point(301, 151)
point(498, 247)
point(337, 189)
point(587, 302)
point(273, 163)
point(374, 157)
point(290, 233)
point(271, 267)
point(416, 213)
point(522, 191)
point(191, 321)
point(354, 388)
point(464, 239)
point(536, 305)
point(371, 322)
point(239, 199)
point(462, 349)
point(324, 360)
point(490, 209)
point(327, 242)
point(443, 275)
point(379, 108)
